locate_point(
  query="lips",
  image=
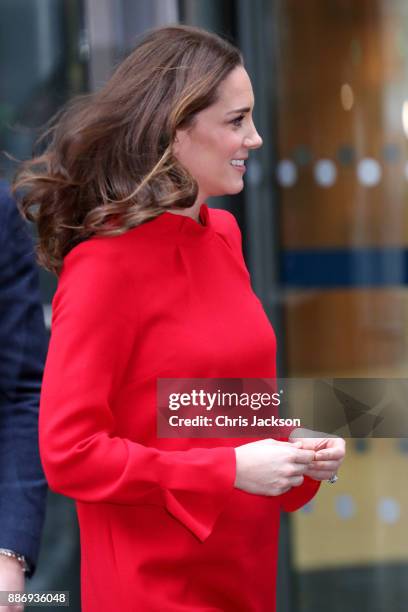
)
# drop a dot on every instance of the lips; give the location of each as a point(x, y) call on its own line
point(240, 168)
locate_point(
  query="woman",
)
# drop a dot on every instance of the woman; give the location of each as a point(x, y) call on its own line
point(152, 284)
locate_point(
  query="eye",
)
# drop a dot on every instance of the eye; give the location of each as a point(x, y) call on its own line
point(237, 122)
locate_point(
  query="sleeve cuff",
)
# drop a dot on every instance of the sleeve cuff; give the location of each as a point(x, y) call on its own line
point(299, 496)
point(199, 502)
point(22, 543)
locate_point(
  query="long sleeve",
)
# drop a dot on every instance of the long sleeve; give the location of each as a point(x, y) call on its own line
point(94, 338)
point(22, 354)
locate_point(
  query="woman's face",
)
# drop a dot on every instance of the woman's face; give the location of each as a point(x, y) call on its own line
point(215, 147)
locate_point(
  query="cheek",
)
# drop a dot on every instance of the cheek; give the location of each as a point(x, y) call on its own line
point(221, 143)
point(209, 149)
point(231, 144)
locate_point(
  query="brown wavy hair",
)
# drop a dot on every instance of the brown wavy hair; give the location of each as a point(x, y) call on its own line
point(108, 163)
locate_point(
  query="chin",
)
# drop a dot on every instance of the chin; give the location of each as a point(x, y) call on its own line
point(227, 190)
point(236, 189)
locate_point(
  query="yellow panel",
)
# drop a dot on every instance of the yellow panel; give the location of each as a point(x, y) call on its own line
point(324, 540)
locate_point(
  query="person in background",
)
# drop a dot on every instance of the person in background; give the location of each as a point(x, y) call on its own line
point(153, 284)
point(22, 354)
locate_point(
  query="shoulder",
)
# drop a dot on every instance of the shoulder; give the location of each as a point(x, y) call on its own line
point(6, 199)
point(14, 232)
point(8, 207)
point(99, 257)
point(92, 280)
point(102, 266)
point(109, 251)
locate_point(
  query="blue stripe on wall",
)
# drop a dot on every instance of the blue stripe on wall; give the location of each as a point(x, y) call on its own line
point(334, 268)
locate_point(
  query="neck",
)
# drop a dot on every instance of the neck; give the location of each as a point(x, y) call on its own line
point(193, 211)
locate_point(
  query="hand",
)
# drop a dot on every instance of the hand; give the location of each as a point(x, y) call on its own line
point(11, 579)
point(329, 453)
point(268, 467)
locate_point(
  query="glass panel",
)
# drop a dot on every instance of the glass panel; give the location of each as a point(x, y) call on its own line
point(43, 59)
point(39, 75)
point(342, 91)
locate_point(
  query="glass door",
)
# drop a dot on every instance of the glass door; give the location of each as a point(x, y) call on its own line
point(341, 132)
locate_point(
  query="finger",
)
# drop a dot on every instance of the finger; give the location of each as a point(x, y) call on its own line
point(319, 474)
point(336, 443)
point(312, 469)
point(304, 456)
point(298, 471)
point(306, 443)
point(325, 465)
point(296, 481)
point(330, 454)
point(321, 444)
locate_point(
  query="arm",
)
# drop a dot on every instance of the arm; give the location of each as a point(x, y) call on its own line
point(93, 341)
point(293, 493)
point(22, 354)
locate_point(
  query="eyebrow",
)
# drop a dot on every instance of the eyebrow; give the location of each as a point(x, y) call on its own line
point(240, 110)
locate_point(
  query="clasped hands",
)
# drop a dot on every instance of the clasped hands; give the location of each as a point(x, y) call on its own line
point(270, 467)
point(329, 452)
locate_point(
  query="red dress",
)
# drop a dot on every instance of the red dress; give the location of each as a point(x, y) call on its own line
point(162, 527)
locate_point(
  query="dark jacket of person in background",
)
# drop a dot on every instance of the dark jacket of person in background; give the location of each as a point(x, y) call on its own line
point(22, 354)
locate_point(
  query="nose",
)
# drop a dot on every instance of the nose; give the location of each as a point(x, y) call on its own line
point(253, 140)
